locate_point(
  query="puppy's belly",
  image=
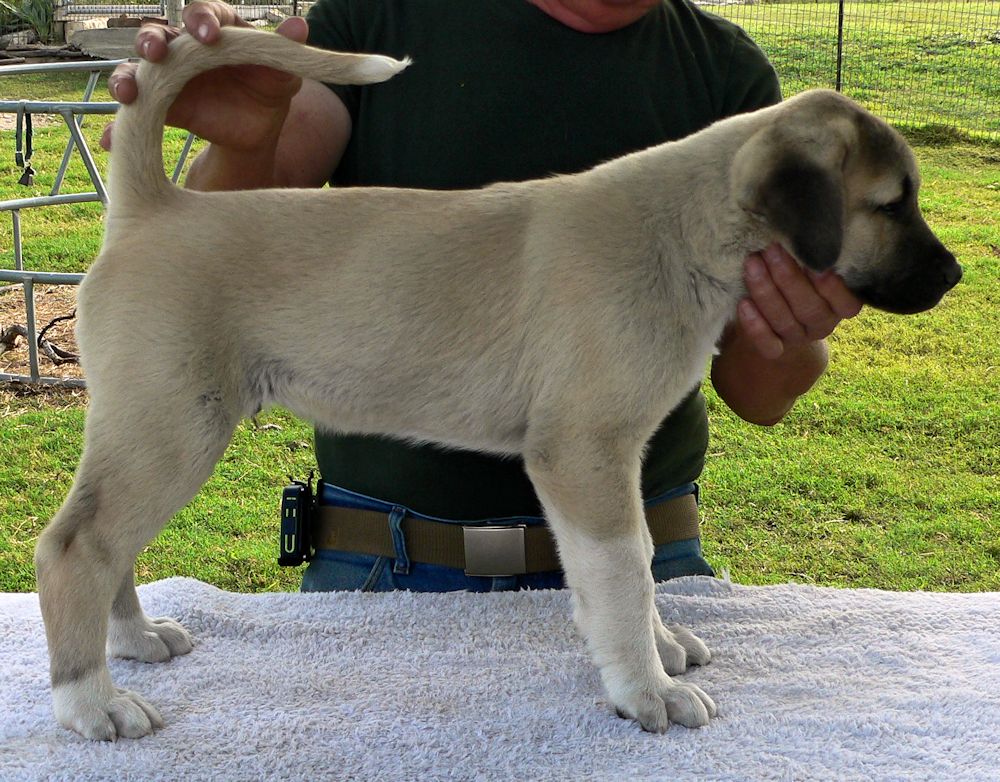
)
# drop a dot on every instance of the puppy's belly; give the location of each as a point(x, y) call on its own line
point(485, 414)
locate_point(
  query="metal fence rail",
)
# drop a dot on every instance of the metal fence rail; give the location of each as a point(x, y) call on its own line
point(27, 280)
point(73, 114)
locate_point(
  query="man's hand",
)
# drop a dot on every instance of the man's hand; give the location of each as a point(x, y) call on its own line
point(775, 350)
point(266, 128)
point(788, 307)
point(241, 108)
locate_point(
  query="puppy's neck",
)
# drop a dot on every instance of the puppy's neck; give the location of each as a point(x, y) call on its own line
point(684, 215)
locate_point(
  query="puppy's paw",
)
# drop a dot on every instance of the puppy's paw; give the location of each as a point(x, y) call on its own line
point(688, 705)
point(97, 710)
point(670, 701)
point(697, 652)
point(646, 708)
point(678, 647)
point(148, 640)
point(672, 654)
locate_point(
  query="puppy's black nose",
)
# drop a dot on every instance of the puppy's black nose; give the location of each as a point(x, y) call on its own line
point(952, 271)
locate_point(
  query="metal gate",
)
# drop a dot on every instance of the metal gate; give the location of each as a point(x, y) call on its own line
point(73, 114)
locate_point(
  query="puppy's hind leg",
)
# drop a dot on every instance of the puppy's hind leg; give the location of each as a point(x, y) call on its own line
point(145, 456)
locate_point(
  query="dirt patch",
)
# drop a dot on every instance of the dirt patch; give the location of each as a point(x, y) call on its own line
point(9, 121)
point(16, 398)
point(51, 302)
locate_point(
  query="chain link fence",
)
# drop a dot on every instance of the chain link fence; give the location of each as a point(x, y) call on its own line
point(914, 62)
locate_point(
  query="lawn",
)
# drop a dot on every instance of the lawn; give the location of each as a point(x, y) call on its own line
point(886, 475)
point(914, 62)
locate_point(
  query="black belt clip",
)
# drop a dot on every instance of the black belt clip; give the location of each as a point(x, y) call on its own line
point(297, 513)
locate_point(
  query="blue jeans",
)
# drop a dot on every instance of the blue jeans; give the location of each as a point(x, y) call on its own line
point(345, 571)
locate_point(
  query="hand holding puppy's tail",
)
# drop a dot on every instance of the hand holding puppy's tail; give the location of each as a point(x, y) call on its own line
point(136, 175)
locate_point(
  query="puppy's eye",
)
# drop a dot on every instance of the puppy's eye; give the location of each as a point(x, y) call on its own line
point(898, 207)
point(893, 208)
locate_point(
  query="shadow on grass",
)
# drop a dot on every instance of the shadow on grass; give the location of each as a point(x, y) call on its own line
point(939, 135)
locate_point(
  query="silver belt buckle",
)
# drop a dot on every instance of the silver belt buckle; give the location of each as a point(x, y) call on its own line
point(494, 551)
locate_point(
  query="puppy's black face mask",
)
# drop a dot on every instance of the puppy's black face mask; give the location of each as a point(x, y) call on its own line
point(848, 207)
point(916, 270)
point(907, 268)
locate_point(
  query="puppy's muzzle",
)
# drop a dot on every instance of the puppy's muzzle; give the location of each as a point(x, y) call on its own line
point(926, 271)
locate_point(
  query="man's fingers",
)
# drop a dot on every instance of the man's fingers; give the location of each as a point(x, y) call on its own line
point(106, 137)
point(121, 83)
point(203, 20)
point(769, 302)
point(152, 40)
point(756, 327)
point(295, 28)
point(813, 317)
point(788, 305)
point(832, 288)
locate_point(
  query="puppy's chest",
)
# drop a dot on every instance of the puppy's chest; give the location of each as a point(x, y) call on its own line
point(696, 305)
point(691, 346)
point(690, 327)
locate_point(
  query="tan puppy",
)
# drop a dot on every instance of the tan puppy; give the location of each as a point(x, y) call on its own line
point(560, 319)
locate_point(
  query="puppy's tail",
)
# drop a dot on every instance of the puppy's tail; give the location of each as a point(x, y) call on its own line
point(137, 175)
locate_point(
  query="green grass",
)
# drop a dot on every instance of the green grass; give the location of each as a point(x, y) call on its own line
point(64, 238)
point(227, 536)
point(885, 475)
point(912, 61)
point(888, 473)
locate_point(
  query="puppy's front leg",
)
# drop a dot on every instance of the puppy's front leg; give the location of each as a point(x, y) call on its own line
point(134, 636)
point(593, 505)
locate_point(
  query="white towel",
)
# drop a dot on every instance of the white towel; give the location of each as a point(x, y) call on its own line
point(811, 684)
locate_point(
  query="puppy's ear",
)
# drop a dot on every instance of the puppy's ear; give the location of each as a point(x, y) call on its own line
point(804, 203)
point(797, 196)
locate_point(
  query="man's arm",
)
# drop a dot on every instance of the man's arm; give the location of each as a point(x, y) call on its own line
point(302, 151)
point(775, 350)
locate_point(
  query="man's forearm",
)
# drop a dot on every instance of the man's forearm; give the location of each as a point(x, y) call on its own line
point(759, 390)
point(299, 151)
point(217, 168)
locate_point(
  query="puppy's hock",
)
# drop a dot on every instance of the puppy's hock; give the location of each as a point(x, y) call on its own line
point(137, 162)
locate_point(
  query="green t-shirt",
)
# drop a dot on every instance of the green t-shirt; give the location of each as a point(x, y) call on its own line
point(500, 91)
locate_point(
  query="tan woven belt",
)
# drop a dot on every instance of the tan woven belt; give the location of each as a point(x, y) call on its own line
point(505, 550)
